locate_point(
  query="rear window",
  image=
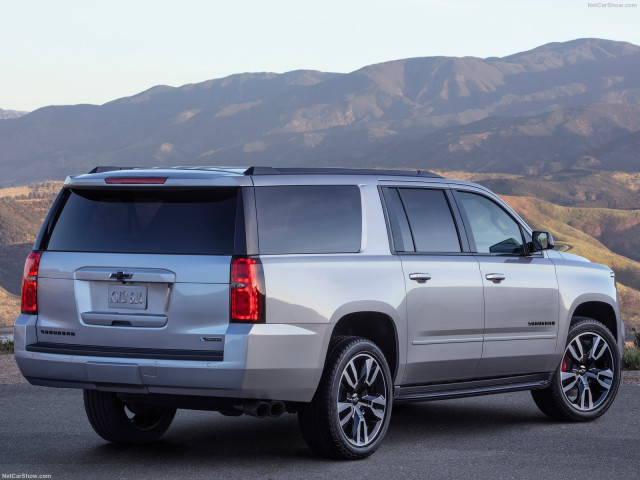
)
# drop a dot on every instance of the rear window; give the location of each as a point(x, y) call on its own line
point(431, 220)
point(309, 219)
point(147, 221)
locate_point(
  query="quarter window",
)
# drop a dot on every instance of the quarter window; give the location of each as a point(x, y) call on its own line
point(309, 219)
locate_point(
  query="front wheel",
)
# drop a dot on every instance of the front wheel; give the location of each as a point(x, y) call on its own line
point(350, 412)
point(587, 379)
point(118, 422)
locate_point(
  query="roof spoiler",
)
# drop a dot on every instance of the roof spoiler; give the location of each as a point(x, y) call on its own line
point(102, 169)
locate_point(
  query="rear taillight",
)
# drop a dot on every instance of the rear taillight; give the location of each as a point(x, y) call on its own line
point(30, 284)
point(247, 290)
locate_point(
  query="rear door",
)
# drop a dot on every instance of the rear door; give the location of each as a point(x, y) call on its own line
point(126, 271)
point(444, 295)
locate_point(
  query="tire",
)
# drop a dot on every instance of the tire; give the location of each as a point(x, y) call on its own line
point(586, 381)
point(117, 422)
point(350, 412)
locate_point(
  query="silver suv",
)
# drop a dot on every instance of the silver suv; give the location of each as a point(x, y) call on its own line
point(330, 293)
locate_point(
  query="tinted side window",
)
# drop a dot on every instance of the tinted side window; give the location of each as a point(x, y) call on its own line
point(309, 219)
point(147, 221)
point(430, 219)
point(494, 231)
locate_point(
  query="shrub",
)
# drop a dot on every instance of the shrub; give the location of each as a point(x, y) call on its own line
point(631, 358)
point(6, 346)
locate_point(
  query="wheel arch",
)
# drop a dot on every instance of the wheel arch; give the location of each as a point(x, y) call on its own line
point(375, 326)
point(600, 311)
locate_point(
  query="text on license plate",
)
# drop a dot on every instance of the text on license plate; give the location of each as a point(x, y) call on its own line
point(127, 297)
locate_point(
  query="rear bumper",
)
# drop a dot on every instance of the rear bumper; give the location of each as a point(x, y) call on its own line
point(263, 361)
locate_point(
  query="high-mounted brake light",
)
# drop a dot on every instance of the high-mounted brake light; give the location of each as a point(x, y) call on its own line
point(247, 290)
point(30, 284)
point(135, 180)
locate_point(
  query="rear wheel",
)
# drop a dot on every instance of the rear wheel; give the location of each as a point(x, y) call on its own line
point(118, 422)
point(350, 412)
point(587, 379)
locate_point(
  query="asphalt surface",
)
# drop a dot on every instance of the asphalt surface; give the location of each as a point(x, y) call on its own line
point(45, 431)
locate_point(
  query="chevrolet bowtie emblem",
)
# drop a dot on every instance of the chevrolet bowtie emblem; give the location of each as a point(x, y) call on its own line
point(121, 276)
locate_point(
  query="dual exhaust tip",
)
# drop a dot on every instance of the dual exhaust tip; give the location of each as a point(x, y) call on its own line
point(261, 409)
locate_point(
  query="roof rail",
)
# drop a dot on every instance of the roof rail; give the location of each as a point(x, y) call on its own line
point(294, 171)
point(102, 169)
point(336, 171)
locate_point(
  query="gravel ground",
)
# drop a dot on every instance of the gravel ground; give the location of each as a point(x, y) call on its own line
point(631, 378)
point(9, 373)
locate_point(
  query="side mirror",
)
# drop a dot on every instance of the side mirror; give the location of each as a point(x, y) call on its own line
point(542, 241)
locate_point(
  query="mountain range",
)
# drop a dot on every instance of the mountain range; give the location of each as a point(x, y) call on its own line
point(8, 114)
point(555, 130)
point(563, 105)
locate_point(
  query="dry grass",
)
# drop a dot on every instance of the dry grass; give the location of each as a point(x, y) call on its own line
point(43, 188)
point(9, 308)
point(623, 179)
point(22, 210)
point(629, 180)
point(565, 222)
point(14, 191)
point(574, 187)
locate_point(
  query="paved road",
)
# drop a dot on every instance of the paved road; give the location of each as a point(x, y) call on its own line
point(44, 431)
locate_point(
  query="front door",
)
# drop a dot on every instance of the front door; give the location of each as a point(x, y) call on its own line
point(520, 292)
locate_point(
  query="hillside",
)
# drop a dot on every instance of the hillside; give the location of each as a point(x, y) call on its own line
point(615, 229)
point(562, 105)
point(606, 200)
point(566, 226)
point(573, 187)
point(603, 235)
point(9, 308)
point(597, 233)
point(22, 211)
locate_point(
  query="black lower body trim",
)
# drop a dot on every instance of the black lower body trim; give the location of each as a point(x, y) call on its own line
point(470, 388)
point(125, 352)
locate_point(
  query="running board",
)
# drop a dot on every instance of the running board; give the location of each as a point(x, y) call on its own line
point(418, 393)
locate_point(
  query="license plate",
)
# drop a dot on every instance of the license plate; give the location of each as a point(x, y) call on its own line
point(127, 297)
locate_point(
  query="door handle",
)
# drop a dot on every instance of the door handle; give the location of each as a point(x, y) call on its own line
point(420, 277)
point(495, 277)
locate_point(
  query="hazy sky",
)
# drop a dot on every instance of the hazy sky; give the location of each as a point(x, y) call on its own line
point(88, 51)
